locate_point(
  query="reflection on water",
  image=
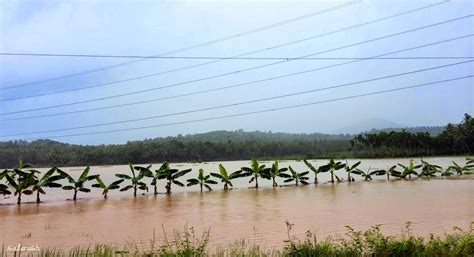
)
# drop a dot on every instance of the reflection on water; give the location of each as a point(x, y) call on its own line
point(434, 206)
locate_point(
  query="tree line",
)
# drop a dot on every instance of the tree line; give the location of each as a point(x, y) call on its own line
point(239, 145)
point(454, 139)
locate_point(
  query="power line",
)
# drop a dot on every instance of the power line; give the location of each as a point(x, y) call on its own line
point(242, 103)
point(226, 38)
point(230, 58)
point(237, 71)
point(268, 48)
point(221, 88)
point(261, 111)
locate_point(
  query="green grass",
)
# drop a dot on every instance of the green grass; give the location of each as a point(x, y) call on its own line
point(371, 242)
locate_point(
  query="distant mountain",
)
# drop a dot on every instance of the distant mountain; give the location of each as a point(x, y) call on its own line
point(368, 125)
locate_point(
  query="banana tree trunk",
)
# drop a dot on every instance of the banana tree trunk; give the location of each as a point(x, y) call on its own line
point(274, 182)
point(135, 191)
point(155, 190)
point(200, 186)
point(332, 176)
point(297, 182)
point(226, 186)
point(315, 178)
point(38, 200)
point(349, 177)
point(168, 187)
point(256, 181)
point(19, 198)
point(74, 198)
point(388, 176)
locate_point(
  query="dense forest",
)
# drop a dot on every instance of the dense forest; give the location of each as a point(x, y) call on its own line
point(237, 145)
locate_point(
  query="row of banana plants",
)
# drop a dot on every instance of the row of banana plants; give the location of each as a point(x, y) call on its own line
point(23, 180)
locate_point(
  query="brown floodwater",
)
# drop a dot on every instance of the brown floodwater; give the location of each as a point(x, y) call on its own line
point(258, 216)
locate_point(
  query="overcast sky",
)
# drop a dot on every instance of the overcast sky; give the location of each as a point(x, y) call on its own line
point(156, 27)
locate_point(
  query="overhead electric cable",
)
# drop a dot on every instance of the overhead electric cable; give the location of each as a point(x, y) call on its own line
point(238, 71)
point(211, 42)
point(257, 112)
point(240, 103)
point(219, 88)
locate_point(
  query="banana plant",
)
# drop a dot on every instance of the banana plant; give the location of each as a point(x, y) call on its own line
point(154, 176)
point(314, 170)
point(429, 170)
point(390, 172)
point(136, 179)
point(367, 175)
point(47, 180)
point(4, 190)
point(202, 180)
point(171, 175)
point(275, 172)
point(349, 170)
point(446, 173)
point(21, 183)
point(79, 184)
point(255, 170)
point(409, 170)
point(106, 188)
point(460, 170)
point(332, 166)
point(297, 177)
point(225, 177)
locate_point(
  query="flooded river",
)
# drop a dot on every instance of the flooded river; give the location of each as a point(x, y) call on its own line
point(259, 216)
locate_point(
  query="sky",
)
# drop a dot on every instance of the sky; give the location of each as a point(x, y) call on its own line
point(151, 28)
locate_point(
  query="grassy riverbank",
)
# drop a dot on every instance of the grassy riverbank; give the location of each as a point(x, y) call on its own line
point(355, 243)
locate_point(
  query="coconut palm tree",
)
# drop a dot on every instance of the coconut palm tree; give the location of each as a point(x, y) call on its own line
point(255, 170)
point(314, 170)
point(332, 166)
point(136, 179)
point(225, 177)
point(349, 170)
point(79, 184)
point(171, 175)
point(201, 180)
point(47, 180)
point(298, 177)
point(275, 172)
point(106, 188)
point(409, 170)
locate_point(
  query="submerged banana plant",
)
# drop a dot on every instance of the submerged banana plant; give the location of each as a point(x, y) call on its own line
point(155, 176)
point(79, 184)
point(47, 180)
point(275, 172)
point(367, 175)
point(106, 188)
point(428, 170)
point(20, 180)
point(349, 170)
point(225, 177)
point(171, 176)
point(202, 180)
point(255, 170)
point(136, 179)
point(409, 170)
point(460, 170)
point(314, 170)
point(332, 166)
point(4, 190)
point(297, 177)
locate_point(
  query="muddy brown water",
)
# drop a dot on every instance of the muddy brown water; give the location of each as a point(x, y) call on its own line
point(258, 216)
